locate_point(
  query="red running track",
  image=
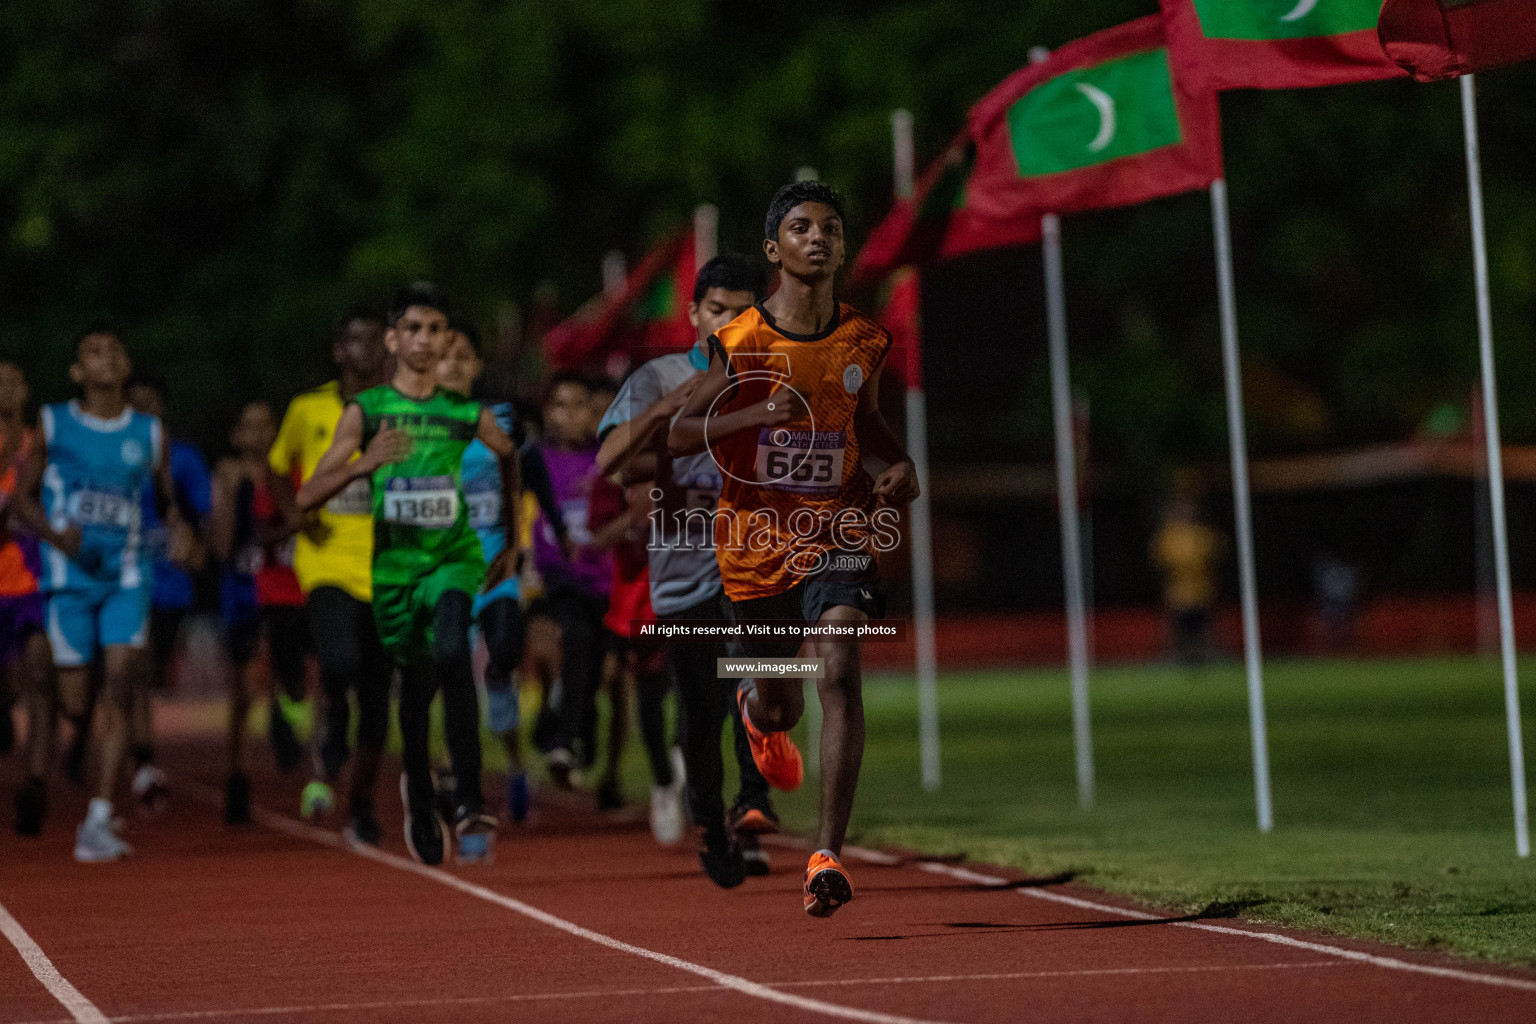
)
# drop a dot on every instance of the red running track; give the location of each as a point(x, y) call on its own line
point(585, 919)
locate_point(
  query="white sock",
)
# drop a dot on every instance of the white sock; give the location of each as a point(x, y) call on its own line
point(99, 812)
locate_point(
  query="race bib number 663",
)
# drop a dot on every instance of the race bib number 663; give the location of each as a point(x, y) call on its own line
point(428, 502)
point(802, 461)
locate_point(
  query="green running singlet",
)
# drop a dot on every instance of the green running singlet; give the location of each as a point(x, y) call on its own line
point(423, 545)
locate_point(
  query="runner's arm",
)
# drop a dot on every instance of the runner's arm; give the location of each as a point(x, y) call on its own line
point(493, 437)
point(337, 468)
point(219, 529)
point(632, 438)
point(29, 511)
point(897, 484)
point(694, 429)
point(535, 474)
point(182, 542)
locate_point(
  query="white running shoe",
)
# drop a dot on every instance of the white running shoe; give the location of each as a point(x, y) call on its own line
point(96, 842)
point(150, 787)
point(667, 812)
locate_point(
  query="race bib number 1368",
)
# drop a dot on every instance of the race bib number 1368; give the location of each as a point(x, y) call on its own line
point(428, 502)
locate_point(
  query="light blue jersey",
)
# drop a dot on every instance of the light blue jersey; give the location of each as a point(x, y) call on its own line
point(96, 474)
point(480, 476)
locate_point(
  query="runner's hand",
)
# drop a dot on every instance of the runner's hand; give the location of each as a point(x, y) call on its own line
point(783, 406)
point(502, 568)
point(898, 484)
point(388, 445)
point(315, 529)
point(182, 548)
point(673, 401)
point(68, 540)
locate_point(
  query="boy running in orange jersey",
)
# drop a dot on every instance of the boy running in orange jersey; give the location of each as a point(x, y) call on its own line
point(790, 408)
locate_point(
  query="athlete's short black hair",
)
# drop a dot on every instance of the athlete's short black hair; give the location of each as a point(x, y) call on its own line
point(98, 327)
point(791, 196)
point(419, 293)
point(357, 311)
point(731, 271)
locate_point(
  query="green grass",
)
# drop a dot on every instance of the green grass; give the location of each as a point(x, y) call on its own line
point(1391, 793)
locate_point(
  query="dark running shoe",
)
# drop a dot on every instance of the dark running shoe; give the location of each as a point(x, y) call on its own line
point(237, 800)
point(546, 726)
point(722, 862)
point(286, 748)
point(827, 885)
point(609, 796)
point(31, 807)
point(362, 828)
point(753, 819)
point(753, 856)
point(425, 834)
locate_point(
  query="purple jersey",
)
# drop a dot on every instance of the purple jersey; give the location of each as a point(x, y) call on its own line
point(570, 476)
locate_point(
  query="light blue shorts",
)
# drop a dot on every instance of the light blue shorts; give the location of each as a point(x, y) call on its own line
point(507, 588)
point(83, 620)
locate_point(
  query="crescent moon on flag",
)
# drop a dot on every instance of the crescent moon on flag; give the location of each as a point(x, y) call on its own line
point(1106, 107)
point(1302, 9)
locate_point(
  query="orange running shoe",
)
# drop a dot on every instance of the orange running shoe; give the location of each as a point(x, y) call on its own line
point(827, 885)
point(774, 753)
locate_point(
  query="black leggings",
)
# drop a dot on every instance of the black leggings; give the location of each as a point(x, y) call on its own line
point(352, 660)
point(706, 701)
point(502, 624)
point(450, 669)
point(580, 618)
point(647, 659)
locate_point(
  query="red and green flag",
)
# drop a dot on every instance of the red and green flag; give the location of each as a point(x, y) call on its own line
point(650, 314)
point(1435, 39)
point(1102, 122)
point(902, 316)
point(1278, 44)
point(937, 223)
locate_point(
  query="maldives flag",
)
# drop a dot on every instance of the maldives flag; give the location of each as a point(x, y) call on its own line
point(651, 313)
point(1102, 122)
point(937, 223)
point(1277, 44)
point(1435, 39)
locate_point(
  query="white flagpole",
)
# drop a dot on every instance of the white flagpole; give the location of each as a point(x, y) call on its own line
point(706, 229)
point(1066, 492)
point(918, 516)
point(1238, 438)
point(1495, 470)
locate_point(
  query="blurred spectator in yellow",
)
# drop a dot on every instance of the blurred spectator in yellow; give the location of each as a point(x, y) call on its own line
point(1186, 551)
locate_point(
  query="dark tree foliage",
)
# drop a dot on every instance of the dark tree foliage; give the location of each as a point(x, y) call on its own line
point(221, 178)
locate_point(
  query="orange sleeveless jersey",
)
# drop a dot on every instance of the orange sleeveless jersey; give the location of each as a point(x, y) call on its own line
point(785, 486)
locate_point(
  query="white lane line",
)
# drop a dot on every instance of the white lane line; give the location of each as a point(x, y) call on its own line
point(730, 981)
point(80, 1008)
point(609, 993)
point(1374, 960)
